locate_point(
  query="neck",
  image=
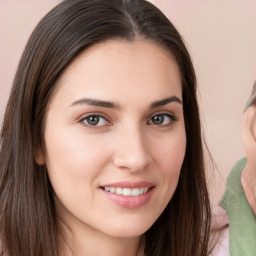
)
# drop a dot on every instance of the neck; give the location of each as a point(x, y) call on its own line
point(82, 241)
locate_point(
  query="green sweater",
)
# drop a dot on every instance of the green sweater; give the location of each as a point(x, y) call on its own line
point(242, 222)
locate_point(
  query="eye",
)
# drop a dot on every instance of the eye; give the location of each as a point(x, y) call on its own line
point(162, 119)
point(95, 121)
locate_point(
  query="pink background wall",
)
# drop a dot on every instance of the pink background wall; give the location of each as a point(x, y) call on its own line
point(221, 38)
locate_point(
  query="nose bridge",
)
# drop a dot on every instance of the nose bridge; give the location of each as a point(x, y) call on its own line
point(132, 151)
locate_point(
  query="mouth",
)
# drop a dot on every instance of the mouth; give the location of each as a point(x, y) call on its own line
point(127, 191)
point(127, 194)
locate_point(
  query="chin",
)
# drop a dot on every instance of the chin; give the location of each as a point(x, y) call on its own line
point(130, 228)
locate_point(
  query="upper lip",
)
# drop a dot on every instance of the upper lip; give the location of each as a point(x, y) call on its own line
point(128, 184)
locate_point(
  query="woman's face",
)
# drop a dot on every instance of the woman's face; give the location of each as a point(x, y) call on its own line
point(115, 137)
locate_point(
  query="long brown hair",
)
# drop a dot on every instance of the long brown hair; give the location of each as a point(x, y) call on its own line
point(28, 220)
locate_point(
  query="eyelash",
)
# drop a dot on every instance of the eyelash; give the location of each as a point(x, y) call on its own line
point(98, 115)
point(172, 119)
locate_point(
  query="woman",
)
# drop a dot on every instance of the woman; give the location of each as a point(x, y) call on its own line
point(101, 142)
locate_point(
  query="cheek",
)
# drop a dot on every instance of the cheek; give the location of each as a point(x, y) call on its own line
point(74, 163)
point(74, 154)
point(170, 154)
point(169, 157)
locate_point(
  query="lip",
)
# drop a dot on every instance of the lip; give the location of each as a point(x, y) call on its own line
point(128, 184)
point(129, 201)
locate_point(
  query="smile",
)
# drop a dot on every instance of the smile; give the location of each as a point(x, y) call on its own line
point(129, 194)
point(127, 191)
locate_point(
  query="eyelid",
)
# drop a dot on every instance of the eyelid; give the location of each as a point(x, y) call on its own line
point(98, 114)
point(171, 115)
point(163, 112)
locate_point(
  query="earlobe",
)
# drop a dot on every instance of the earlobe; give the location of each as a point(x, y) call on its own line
point(39, 156)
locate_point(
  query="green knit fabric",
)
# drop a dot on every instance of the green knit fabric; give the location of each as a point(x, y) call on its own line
point(242, 222)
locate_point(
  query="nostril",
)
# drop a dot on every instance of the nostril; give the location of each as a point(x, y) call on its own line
point(132, 152)
point(132, 163)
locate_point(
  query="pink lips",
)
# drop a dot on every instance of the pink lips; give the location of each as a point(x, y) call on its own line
point(129, 201)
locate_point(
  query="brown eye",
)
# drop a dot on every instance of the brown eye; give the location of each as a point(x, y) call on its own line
point(162, 119)
point(95, 120)
point(158, 119)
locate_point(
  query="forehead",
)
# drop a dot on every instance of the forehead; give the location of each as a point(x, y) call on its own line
point(117, 68)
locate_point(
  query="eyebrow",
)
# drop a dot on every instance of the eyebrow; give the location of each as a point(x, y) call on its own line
point(113, 105)
point(165, 102)
point(95, 102)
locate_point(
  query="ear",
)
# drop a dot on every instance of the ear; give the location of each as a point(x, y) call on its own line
point(249, 134)
point(39, 156)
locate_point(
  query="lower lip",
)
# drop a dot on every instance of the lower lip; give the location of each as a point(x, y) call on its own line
point(129, 201)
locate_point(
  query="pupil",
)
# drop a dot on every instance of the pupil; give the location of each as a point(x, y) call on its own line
point(93, 120)
point(159, 119)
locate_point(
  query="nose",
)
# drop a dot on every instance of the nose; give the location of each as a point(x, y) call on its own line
point(132, 152)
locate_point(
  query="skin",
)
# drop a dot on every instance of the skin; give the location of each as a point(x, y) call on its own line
point(248, 177)
point(125, 145)
point(248, 180)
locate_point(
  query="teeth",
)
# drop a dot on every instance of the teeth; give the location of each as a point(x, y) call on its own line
point(141, 191)
point(135, 192)
point(127, 191)
point(119, 191)
point(112, 190)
